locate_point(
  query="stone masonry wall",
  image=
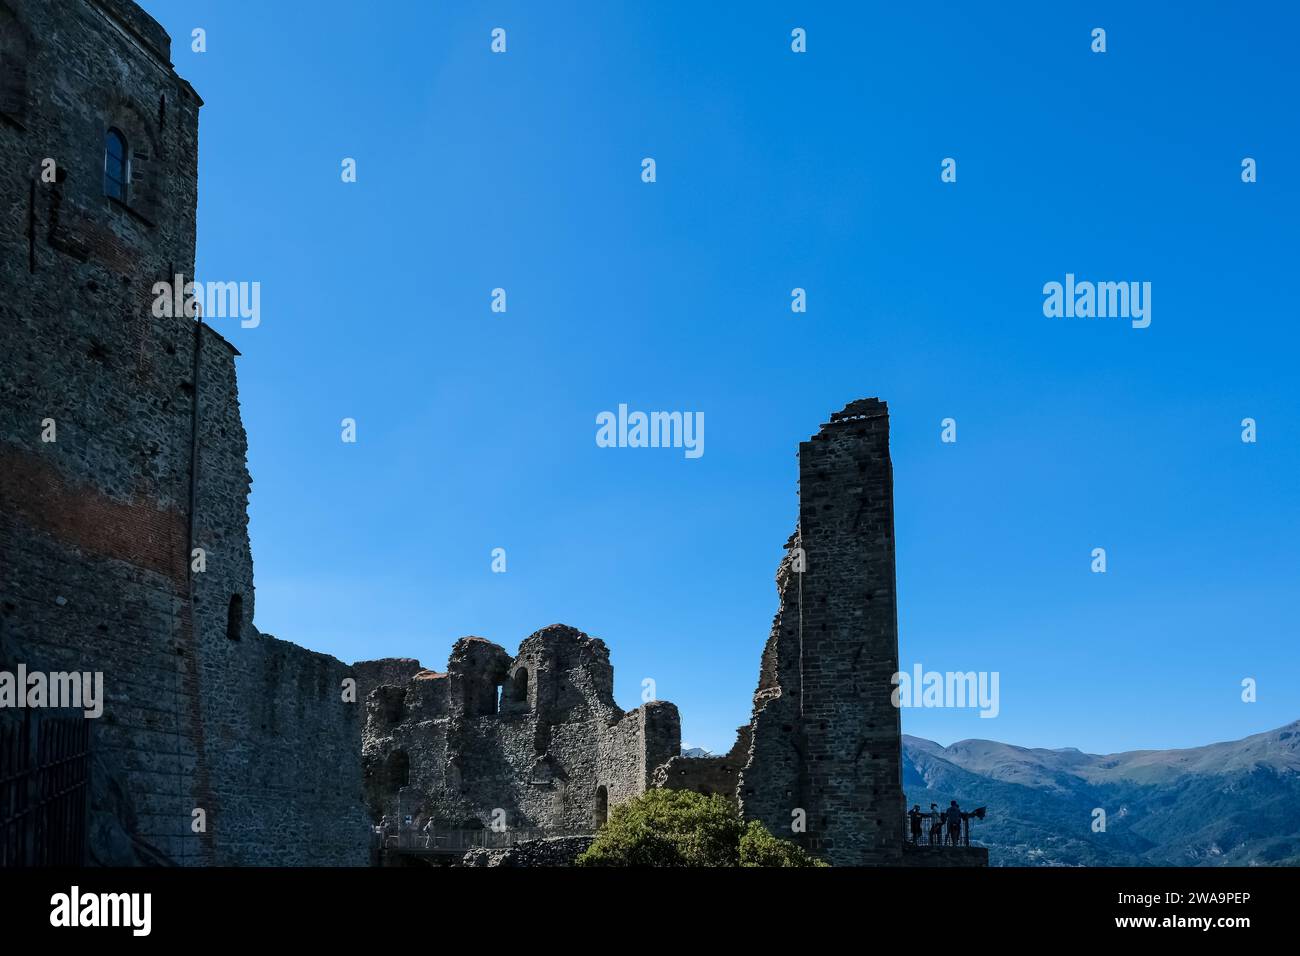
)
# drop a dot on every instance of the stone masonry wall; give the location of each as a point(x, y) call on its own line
point(148, 462)
point(926, 857)
point(826, 736)
point(538, 736)
point(708, 775)
point(388, 670)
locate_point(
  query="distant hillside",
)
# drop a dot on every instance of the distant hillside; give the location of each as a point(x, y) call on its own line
point(1225, 804)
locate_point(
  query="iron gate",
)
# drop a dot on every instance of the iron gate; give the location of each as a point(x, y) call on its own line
point(44, 774)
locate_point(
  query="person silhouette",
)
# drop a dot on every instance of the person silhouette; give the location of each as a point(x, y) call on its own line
point(914, 815)
point(936, 825)
point(953, 815)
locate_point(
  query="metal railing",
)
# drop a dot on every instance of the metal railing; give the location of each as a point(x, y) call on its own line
point(937, 831)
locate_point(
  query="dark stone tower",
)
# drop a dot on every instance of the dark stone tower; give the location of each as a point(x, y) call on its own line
point(826, 736)
point(122, 451)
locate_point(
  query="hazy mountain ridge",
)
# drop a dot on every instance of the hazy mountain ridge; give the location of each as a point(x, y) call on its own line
point(1232, 803)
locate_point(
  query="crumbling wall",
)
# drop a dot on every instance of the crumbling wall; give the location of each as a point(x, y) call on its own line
point(147, 464)
point(387, 670)
point(826, 738)
point(548, 851)
point(537, 738)
point(714, 775)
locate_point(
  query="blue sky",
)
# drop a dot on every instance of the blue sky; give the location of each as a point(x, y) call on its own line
point(775, 170)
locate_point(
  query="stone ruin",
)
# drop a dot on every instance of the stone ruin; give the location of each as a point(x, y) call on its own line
point(533, 741)
point(537, 741)
point(204, 713)
point(823, 749)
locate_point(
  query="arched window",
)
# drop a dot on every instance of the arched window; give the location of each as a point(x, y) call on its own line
point(117, 165)
point(602, 806)
point(519, 687)
point(235, 618)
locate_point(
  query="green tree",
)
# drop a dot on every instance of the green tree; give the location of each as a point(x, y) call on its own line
point(681, 828)
point(760, 848)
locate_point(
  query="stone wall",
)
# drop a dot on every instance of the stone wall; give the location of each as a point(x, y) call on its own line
point(388, 670)
point(148, 463)
point(537, 736)
point(549, 851)
point(925, 857)
point(708, 775)
point(826, 737)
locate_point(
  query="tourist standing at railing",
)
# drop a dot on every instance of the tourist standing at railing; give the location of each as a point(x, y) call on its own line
point(954, 824)
point(914, 815)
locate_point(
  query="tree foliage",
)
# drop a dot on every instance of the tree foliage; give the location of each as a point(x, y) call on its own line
point(760, 848)
point(681, 828)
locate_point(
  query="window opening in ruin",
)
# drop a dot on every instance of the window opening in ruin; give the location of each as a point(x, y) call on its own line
point(395, 708)
point(235, 618)
point(602, 806)
point(117, 165)
point(482, 699)
point(519, 687)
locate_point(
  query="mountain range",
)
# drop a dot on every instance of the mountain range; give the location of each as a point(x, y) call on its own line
point(1226, 804)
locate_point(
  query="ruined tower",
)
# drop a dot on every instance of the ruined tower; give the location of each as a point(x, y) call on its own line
point(826, 738)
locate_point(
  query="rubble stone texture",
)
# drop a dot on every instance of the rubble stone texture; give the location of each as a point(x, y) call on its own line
point(825, 736)
point(549, 851)
point(718, 775)
point(203, 712)
point(97, 527)
point(532, 742)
